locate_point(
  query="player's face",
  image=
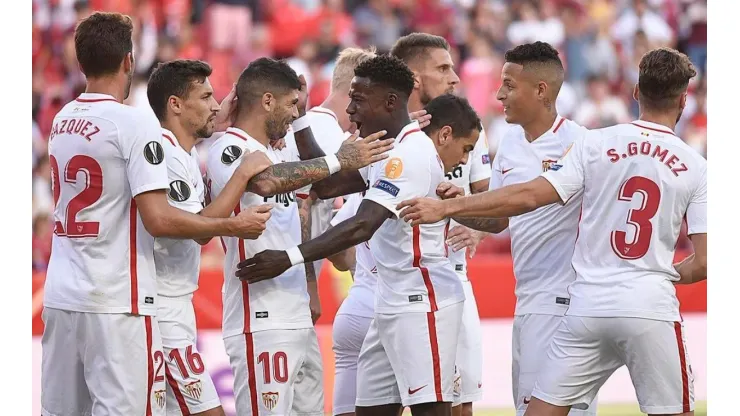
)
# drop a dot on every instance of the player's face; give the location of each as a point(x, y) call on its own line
point(199, 109)
point(281, 115)
point(437, 76)
point(366, 107)
point(517, 93)
point(454, 150)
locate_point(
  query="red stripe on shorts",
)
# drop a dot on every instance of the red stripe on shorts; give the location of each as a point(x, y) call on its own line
point(252, 376)
point(435, 355)
point(132, 259)
point(424, 271)
point(684, 369)
point(150, 364)
point(176, 390)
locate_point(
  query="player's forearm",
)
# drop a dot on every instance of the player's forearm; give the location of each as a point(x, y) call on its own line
point(692, 270)
point(304, 212)
point(341, 237)
point(344, 260)
point(176, 223)
point(288, 176)
point(488, 225)
point(505, 202)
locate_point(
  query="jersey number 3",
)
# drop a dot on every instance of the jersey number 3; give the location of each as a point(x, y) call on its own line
point(638, 218)
point(92, 192)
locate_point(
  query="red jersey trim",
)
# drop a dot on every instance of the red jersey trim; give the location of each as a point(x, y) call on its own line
point(650, 128)
point(407, 133)
point(93, 100)
point(169, 138)
point(245, 285)
point(424, 271)
point(132, 259)
point(560, 123)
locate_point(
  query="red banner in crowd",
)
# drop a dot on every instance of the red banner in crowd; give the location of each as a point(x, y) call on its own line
point(492, 278)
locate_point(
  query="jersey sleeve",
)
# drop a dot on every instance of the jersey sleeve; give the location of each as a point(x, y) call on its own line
point(221, 167)
point(348, 210)
point(480, 160)
point(145, 161)
point(696, 214)
point(182, 193)
point(398, 178)
point(497, 178)
point(567, 175)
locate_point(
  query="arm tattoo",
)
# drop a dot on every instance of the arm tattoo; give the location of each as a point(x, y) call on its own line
point(304, 211)
point(288, 176)
point(489, 225)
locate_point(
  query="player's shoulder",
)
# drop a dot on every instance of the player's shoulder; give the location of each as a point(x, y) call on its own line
point(322, 116)
point(570, 127)
point(225, 150)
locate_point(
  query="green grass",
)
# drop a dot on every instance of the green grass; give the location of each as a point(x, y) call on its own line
point(612, 410)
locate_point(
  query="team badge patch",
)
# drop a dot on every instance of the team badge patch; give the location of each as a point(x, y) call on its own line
point(179, 191)
point(230, 154)
point(486, 159)
point(194, 389)
point(153, 153)
point(270, 400)
point(394, 168)
point(386, 187)
point(548, 164)
point(159, 397)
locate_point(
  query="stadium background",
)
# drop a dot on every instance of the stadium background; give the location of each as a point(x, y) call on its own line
point(600, 42)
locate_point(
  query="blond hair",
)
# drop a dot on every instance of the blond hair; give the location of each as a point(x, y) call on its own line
point(347, 61)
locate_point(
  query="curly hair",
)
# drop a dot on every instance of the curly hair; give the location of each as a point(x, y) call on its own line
point(389, 71)
point(174, 78)
point(664, 75)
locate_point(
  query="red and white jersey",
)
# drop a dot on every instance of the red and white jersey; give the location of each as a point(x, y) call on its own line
point(102, 154)
point(178, 261)
point(639, 181)
point(477, 169)
point(360, 300)
point(279, 303)
point(542, 241)
point(414, 273)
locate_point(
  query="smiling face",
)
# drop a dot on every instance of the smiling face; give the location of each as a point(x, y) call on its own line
point(437, 75)
point(518, 94)
point(283, 111)
point(367, 106)
point(199, 109)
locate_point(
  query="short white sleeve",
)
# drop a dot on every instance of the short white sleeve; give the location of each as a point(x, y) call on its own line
point(480, 161)
point(142, 149)
point(182, 193)
point(567, 175)
point(696, 214)
point(348, 210)
point(497, 178)
point(221, 171)
point(398, 178)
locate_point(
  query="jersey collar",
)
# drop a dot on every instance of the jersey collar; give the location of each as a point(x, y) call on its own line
point(235, 131)
point(653, 126)
point(168, 135)
point(89, 97)
point(557, 125)
point(407, 130)
point(324, 110)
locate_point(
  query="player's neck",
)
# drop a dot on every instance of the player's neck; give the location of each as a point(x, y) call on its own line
point(664, 119)
point(398, 124)
point(338, 104)
point(185, 139)
point(255, 128)
point(106, 85)
point(415, 102)
point(539, 126)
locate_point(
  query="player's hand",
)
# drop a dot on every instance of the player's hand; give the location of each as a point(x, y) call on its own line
point(356, 153)
point(250, 223)
point(461, 237)
point(447, 190)
point(279, 144)
point(422, 117)
point(253, 163)
point(225, 116)
point(302, 96)
point(421, 211)
point(264, 265)
point(314, 302)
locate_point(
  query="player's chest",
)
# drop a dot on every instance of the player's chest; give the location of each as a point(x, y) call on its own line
point(526, 161)
point(460, 176)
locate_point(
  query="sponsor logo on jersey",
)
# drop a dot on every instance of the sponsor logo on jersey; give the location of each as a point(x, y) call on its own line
point(230, 154)
point(387, 187)
point(270, 399)
point(548, 164)
point(283, 199)
point(149, 300)
point(153, 153)
point(459, 267)
point(456, 173)
point(179, 191)
point(261, 314)
point(416, 298)
point(159, 398)
point(194, 389)
point(486, 159)
point(394, 168)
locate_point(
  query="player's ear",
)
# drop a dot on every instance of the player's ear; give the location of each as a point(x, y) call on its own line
point(542, 90)
point(174, 105)
point(390, 101)
point(636, 93)
point(268, 102)
point(417, 80)
point(128, 63)
point(682, 100)
point(444, 136)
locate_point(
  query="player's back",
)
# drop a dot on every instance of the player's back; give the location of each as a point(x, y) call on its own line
point(102, 153)
point(640, 180)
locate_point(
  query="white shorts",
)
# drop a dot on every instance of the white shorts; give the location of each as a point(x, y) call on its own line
point(469, 359)
point(348, 333)
point(277, 372)
point(189, 386)
point(101, 364)
point(586, 351)
point(409, 358)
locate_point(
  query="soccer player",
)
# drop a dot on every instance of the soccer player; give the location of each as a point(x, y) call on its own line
point(102, 351)
point(268, 325)
point(638, 181)
point(429, 58)
point(408, 355)
point(181, 97)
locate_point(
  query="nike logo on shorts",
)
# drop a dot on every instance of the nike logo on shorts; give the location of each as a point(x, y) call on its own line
point(415, 390)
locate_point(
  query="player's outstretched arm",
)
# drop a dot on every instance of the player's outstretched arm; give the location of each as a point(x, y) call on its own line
point(694, 268)
point(271, 263)
point(163, 220)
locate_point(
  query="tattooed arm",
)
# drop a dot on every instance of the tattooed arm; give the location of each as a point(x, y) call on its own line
point(288, 176)
point(489, 225)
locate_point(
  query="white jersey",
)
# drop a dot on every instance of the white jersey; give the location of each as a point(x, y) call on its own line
point(279, 303)
point(414, 273)
point(361, 297)
point(542, 241)
point(478, 168)
point(639, 181)
point(178, 261)
point(101, 257)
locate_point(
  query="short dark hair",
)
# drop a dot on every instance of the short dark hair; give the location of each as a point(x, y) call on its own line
point(389, 71)
point(664, 75)
point(534, 53)
point(174, 78)
point(456, 112)
point(102, 41)
point(265, 75)
point(415, 45)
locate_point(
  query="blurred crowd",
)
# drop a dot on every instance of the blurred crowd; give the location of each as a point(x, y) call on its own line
point(600, 41)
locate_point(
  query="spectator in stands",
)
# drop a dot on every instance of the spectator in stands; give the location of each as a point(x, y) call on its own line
point(377, 24)
point(601, 108)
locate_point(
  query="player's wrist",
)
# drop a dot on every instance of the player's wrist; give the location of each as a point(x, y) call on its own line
point(295, 255)
point(333, 163)
point(300, 123)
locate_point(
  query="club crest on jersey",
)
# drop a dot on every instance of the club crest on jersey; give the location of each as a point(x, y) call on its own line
point(230, 154)
point(179, 191)
point(153, 153)
point(194, 389)
point(159, 397)
point(486, 159)
point(270, 399)
point(549, 164)
point(386, 187)
point(394, 168)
